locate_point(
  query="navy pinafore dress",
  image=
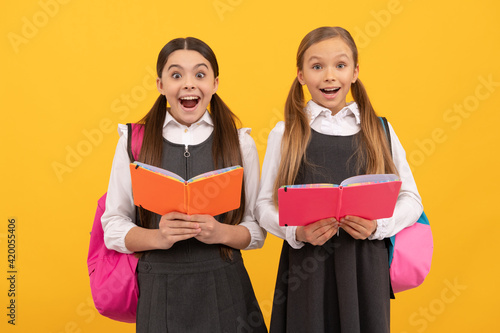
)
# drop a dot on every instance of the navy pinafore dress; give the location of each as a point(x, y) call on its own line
point(344, 285)
point(189, 287)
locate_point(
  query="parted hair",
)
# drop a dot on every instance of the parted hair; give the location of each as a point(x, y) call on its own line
point(373, 151)
point(225, 149)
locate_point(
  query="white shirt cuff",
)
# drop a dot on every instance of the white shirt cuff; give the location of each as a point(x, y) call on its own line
point(382, 230)
point(114, 237)
point(257, 235)
point(291, 238)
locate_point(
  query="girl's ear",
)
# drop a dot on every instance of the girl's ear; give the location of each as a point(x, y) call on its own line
point(159, 86)
point(300, 77)
point(216, 85)
point(355, 74)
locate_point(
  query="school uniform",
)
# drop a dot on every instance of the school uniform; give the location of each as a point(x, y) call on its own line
point(344, 285)
point(189, 287)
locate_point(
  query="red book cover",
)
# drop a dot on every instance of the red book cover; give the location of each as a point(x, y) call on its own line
point(368, 196)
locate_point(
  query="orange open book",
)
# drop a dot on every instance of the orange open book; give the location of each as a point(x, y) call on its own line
point(162, 191)
point(368, 196)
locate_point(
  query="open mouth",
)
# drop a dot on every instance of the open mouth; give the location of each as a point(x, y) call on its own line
point(330, 91)
point(189, 102)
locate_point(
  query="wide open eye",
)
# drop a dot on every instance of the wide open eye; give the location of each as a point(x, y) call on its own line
point(176, 76)
point(200, 75)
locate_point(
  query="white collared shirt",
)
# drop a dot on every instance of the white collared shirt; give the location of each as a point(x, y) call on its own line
point(345, 122)
point(119, 216)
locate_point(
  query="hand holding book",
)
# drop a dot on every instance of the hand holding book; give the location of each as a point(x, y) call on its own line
point(317, 233)
point(357, 227)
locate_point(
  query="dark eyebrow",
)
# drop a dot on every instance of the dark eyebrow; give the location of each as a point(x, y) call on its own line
point(202, 64)
point(179, 66)
point(174, 65)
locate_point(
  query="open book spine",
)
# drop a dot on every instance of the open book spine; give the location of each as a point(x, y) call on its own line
point(187, 198)
point(339, 203)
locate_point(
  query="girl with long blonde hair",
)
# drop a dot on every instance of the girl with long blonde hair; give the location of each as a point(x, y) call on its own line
point(329, 283)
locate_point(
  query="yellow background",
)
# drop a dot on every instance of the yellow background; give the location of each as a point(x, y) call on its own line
point(71, 70)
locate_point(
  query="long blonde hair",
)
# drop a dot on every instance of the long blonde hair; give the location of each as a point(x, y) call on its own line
point(373, 150)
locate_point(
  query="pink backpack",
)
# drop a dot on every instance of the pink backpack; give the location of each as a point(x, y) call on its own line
point(113, 279)
point(410, 250)
point(410, 255)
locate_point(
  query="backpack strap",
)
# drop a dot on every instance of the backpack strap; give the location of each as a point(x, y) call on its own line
point(134, 144)
point(129, 143)
point(389, 241)
point(134, 140)
point(385, 125)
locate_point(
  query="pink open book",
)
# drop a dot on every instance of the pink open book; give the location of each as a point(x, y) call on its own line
point(368, 196)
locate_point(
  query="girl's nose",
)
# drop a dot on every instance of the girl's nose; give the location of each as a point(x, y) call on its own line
point(329, 74)
point(188, 83)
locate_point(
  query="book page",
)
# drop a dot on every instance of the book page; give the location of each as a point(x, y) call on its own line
point(161, 171)
point(213, 173)
point(376, 178)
